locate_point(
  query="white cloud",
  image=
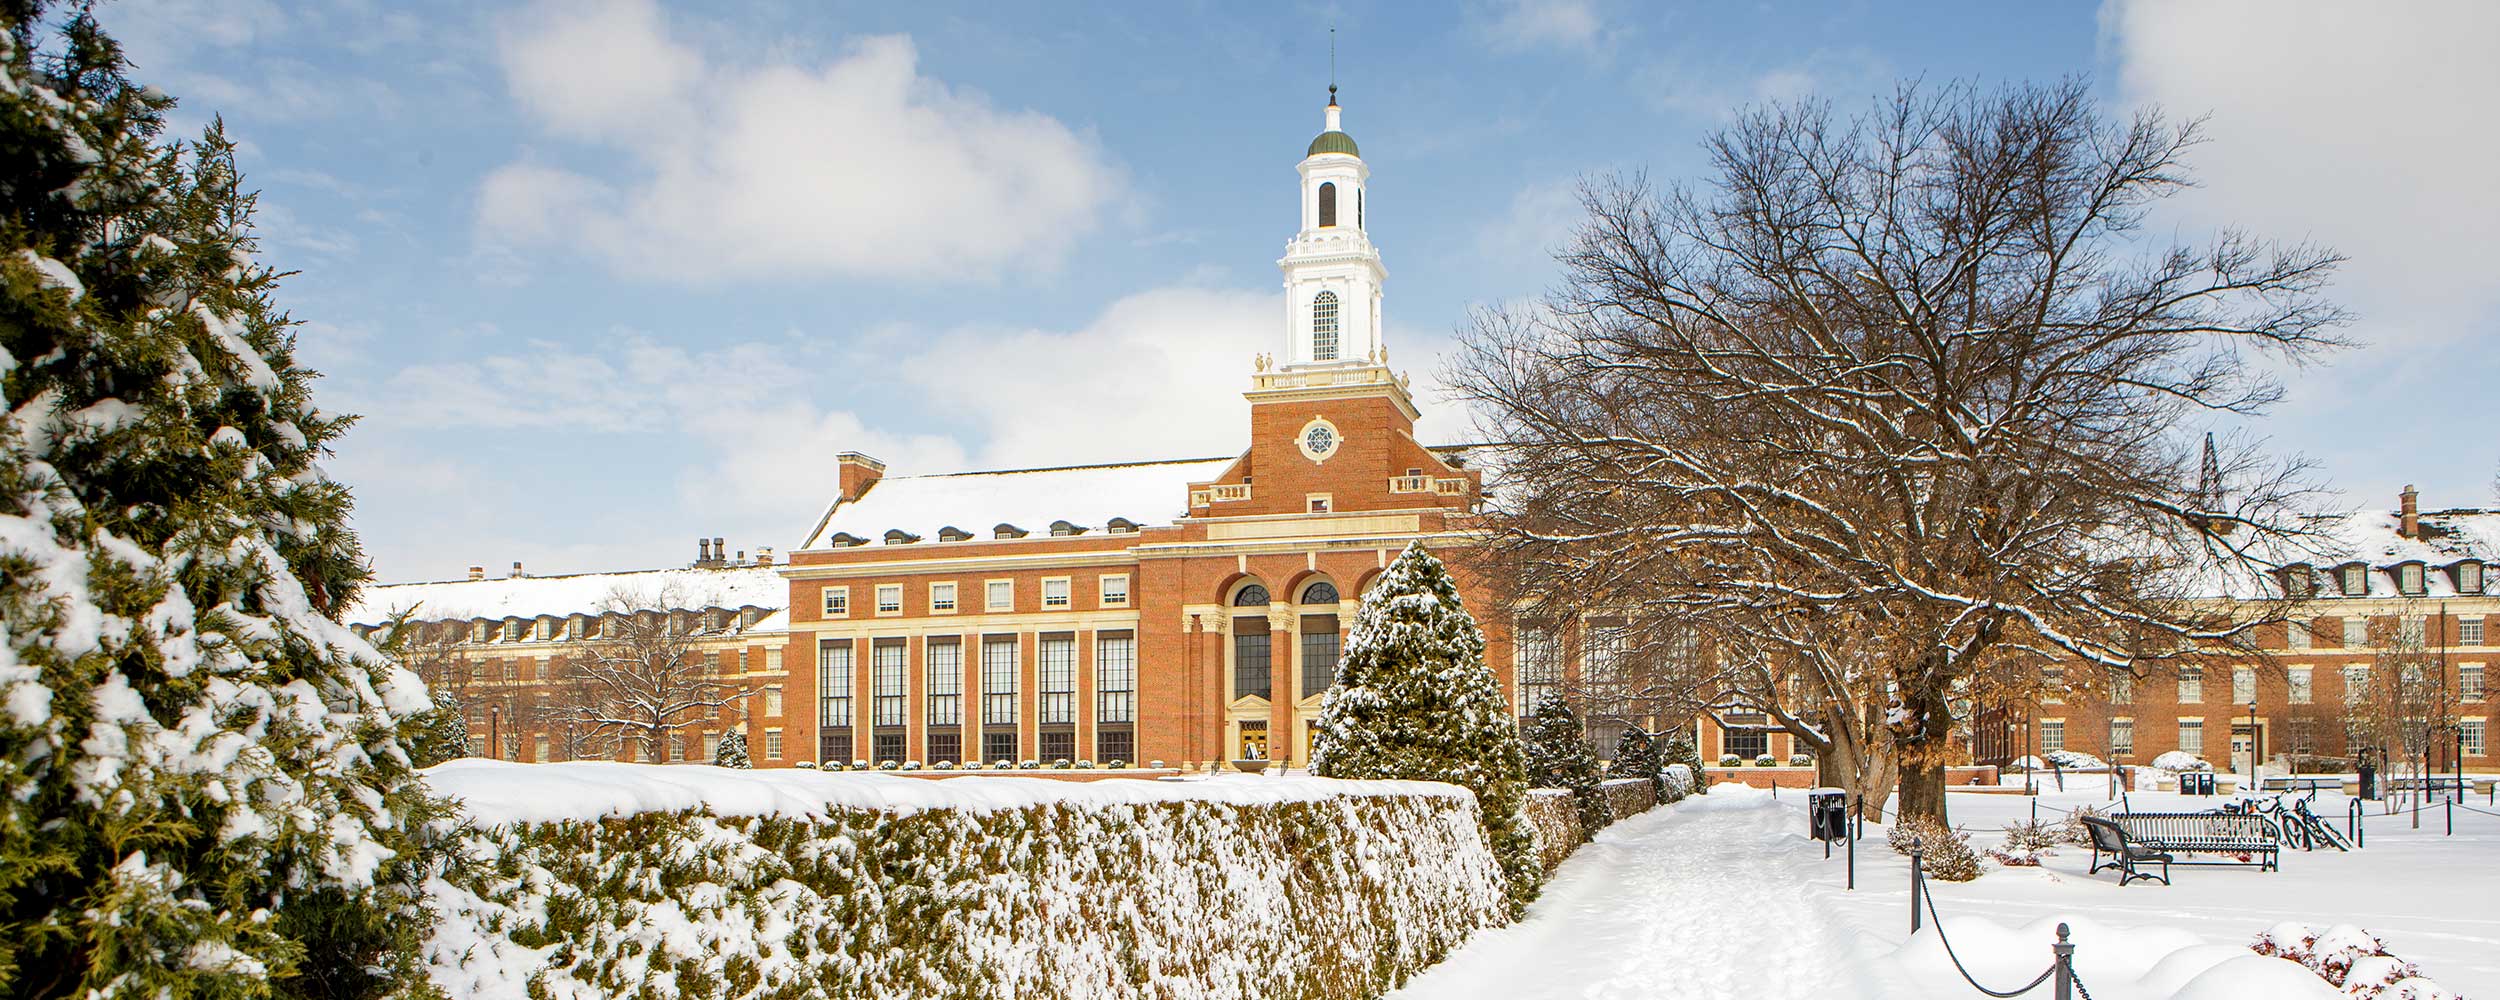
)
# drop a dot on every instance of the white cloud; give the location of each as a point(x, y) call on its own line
point(1697, 87)
point(1538, 222)
point(859, 167)
point(2363, 126)
point(1516, 25)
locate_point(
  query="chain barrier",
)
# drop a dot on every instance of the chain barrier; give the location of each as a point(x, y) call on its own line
point(2064, 951)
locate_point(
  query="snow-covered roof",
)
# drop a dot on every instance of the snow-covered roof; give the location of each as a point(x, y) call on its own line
point(582, 593)
point(1087, 496)
point(2376, 539)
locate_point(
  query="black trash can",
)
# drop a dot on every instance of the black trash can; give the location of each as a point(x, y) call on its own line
point(2369, 780)
point(1827, 814)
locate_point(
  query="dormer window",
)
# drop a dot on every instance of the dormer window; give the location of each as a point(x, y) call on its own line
point(845, 540)
point(951, 533)
point(2355, 580)
point(898, 536)
point(1063, 529)
point(2409, 579)
point(2470, 577)
point(2299, 581)
point(1120, 526)
point(1005, 530)
point(512, 630)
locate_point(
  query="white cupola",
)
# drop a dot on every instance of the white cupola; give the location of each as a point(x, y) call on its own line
point(1332, 271)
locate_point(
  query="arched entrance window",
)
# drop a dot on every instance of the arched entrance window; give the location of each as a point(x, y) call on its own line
point(1320, 592)
point(1251, 596)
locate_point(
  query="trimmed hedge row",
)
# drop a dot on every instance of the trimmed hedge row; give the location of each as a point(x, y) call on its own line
point(1338, 897)
point(1555, 817)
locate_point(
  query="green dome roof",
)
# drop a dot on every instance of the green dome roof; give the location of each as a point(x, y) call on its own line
point(1333, 141)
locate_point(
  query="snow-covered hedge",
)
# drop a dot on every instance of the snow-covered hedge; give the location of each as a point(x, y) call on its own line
point(2178, 760)
point(1627, 797)
point(1554, 817)
point(1680, 780)
point(598, 880)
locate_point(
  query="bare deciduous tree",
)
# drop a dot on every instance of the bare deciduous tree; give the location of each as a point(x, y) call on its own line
point(639, 677)
point(2407, 707)
point(1902, 404)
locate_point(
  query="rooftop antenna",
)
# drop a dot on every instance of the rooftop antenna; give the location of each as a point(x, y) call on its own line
point(1332, 65)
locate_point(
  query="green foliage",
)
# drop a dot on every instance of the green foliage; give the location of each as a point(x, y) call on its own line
point(437, 734)
point(1680, 750)
point(1559, 757)
point(1637, 756)
point(732, 751)
point(203, 789)
point(1414, 699)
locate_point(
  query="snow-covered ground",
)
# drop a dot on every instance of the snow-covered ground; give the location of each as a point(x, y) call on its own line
point(1723, 896)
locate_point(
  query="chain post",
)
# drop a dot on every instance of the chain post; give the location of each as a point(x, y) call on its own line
point(2064, 949)
point(1918, 879)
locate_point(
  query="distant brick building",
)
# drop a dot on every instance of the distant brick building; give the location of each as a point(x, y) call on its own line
point(1192, 610)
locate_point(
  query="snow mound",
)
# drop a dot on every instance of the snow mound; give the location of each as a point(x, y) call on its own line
point(2176, 760)
point(2114, 962)
point(502, 793)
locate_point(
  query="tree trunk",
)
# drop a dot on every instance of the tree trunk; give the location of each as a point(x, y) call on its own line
point(1922, 740)
point(1922, 789)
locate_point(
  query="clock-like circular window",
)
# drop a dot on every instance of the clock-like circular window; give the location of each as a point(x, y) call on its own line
point(1319, 440)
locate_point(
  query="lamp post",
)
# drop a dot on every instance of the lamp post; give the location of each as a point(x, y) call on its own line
point(2252, 745)
point(494, 739)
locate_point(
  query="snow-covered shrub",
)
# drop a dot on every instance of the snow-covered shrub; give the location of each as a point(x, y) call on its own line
point(1084, 765)
point(2027, 843)
point(859, 765)
point(807, 764)
point(1558, 757)
point(732, 751)
point(1801, 760)
point(943, 765)
point(2075, 760)
point(2350, 959)
point(1766, 760)
point(1002, 764)
point(1031, 765)
point(1677, 780)
point(204, 781)
point(1553, 817)
point(1312, 888)
point(2180, 760)
point(1680, 750)
point(1636, 756)
point(1156, 764)
point(911, 765)
point(1116, 765)
point(1414, 699)
point(1060, 764)
point(1731, 760)
point(1944, 853)
point(1628, 796)
point(889, 765)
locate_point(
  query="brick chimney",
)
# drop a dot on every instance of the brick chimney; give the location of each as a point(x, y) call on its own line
point(516, 570)
point(477, 572)
point(764, 556)
point(702, 551)
point(2409, 513)
point(859, 472)
point(720, 551)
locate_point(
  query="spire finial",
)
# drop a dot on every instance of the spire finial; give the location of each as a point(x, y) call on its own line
point(1332, 65)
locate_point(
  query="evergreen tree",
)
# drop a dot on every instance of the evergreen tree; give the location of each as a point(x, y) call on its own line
point(203, 788)
point(1636, 756)
point(438, 734)
point(1680, 750)
point(732, 751)
point(1558, 757)
point(1414, 699)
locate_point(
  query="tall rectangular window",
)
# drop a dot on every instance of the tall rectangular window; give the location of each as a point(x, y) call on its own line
point(2052, 735)
point(2243, 684)
point(2296, 634)
point(1055, 592)
point(998, 683)
point(837, 602)
point(1057, 746)
point(947, 747)
point(889, 746)
point(1115, 590)
point(2471, 730)
point(889, 598)
point(886, 676)
point(1602, 675)
point(1002, 596)
point(942, 597)
point(1116, 744)
point(2356, 683)
point(997, 745)
point(945, 685)
point(833, 683)
point(2192, 737)
point(2356, 632)
point(2053, 685)
point(1250, 657)
point(772, 744)
point(2122, 689)
point(2469, 631)
point(1539, 667)
point(2470, 682)
point(2191, 684)
point(1058, 678)
point(2299, 684)
point(1320, 647)
point(2121, 736)
point(2409, 630)
point(1115, 679)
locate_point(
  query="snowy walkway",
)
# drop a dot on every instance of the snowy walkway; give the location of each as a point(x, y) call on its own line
point(1698, 900)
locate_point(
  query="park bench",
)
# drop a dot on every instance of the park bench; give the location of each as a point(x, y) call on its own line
point(2250, 838)
point(2111, 839)
point(2304, 783)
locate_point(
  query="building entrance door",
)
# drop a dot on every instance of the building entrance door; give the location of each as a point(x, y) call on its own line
point(1253, 741)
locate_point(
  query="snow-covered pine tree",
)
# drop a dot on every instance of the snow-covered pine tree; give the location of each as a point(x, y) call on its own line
point(1559, 757)
point(1414, 699)
point(1680, 750)
point(440, 733)
point(732, 751)
point(203, 790)
point(1636, 756)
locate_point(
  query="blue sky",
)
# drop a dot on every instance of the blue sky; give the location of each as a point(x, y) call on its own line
point(605, 277)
